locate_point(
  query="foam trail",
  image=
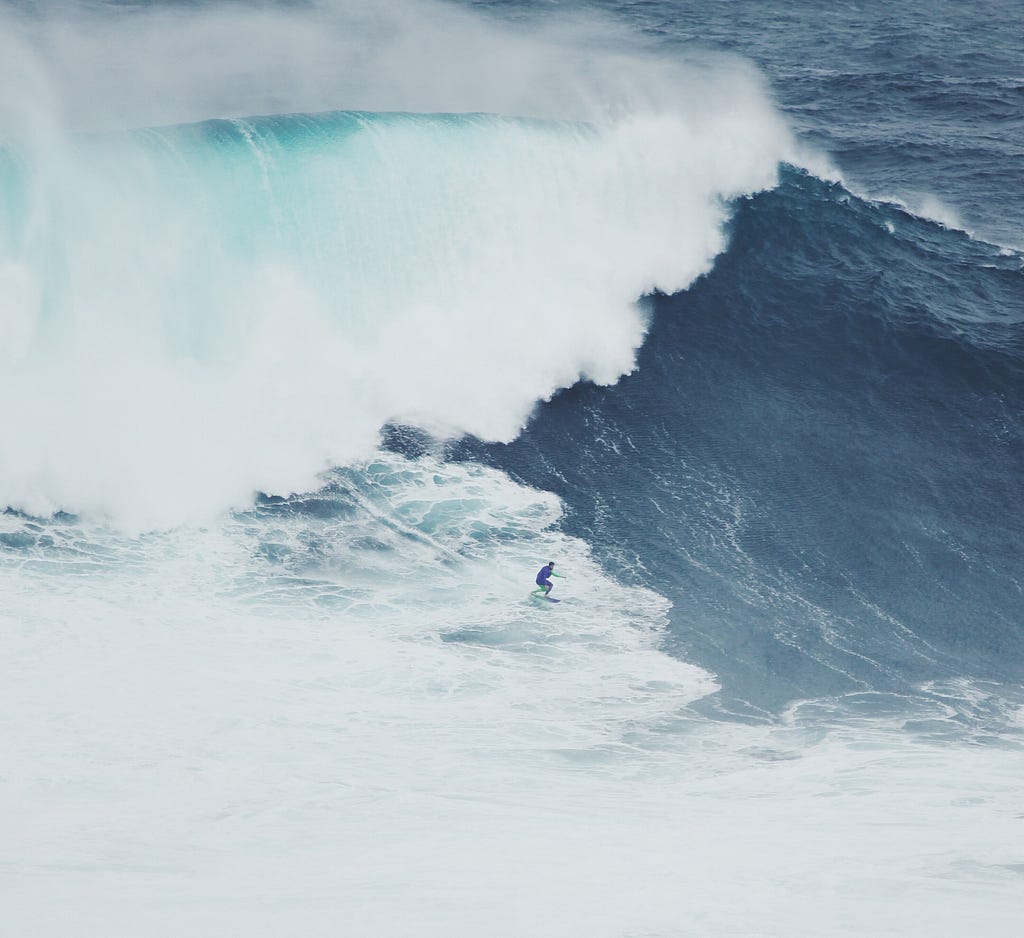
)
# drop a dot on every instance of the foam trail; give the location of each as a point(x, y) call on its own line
point(198, 312)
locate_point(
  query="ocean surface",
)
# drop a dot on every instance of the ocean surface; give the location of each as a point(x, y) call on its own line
point(323, 326)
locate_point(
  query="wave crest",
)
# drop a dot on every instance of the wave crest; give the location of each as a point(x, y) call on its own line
point(206, 310)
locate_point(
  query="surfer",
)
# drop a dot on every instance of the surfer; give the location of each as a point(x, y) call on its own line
point(544, 577)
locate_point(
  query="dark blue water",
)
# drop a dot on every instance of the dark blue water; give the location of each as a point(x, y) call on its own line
point(820, 457)
point(916, 100)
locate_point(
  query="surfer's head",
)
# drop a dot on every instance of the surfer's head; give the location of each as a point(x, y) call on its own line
point(551, 563)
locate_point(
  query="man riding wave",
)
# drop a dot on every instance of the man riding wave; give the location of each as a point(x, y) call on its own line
point(544, 578)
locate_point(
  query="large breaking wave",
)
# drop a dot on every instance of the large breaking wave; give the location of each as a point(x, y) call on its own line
point(818, 458)
point(196, 312)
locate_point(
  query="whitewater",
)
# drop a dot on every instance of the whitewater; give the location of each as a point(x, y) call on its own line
point(311, 279)
point(322, 328)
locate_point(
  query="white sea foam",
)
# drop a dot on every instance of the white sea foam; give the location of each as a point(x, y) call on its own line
point(350, 718)
point(193, 322)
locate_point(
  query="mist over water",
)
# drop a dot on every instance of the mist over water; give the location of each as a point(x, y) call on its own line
point(106, 67)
